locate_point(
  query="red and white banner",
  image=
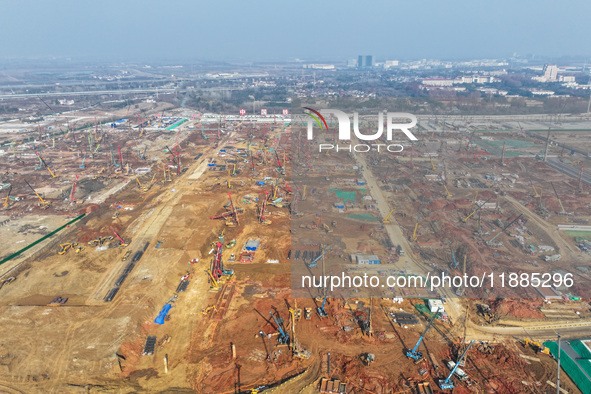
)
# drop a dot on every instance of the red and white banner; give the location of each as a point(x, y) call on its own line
point(263, 111)
point(242, 112)
point(285, 112)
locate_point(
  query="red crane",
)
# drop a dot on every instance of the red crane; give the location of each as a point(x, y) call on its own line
point(74, 189)
point(234, 215)
point(263, 207)
point(287, 187)
point(120, 239)
point(217, 268)
point(278, 161)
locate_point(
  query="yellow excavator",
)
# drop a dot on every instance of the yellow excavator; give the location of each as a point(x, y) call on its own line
point(67, 246)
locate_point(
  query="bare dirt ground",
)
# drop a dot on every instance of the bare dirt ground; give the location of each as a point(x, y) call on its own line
point(96, 346)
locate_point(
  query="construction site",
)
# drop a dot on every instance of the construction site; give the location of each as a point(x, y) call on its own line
point(159, 249)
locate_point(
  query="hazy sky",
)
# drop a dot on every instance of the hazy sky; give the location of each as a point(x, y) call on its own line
point(280, 30)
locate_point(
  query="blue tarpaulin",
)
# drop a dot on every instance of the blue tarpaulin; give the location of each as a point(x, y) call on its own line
point(162, 314)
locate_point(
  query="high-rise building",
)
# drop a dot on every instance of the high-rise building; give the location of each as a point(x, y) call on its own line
point(368, 61)
point(550, 72)
point(360, 62)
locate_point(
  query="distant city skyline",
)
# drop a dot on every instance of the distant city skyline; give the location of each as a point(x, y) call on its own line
point(277, 31)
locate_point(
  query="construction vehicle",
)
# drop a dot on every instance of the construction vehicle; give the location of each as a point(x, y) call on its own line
point(414, 234)
point(46, 166)
point(321, 311)
point(367, 358)
point(503, 230)
point(414, 353)
point(314, 262)
point(209, 309)
point(386, 220)
point(562, 211)
point(296, 347)
point(453, 257)
point(6, 281)
point(214, 284)
point(115, 215)
point(65, 247)
point(447, 383)
point(123, 243)
point(283, 337)
point(536, 346)
point(262, 218)
point(42, 202)
point(142, 187)
point(82, 165)
point(448, 195)
point(7, 199)
point(100, 241)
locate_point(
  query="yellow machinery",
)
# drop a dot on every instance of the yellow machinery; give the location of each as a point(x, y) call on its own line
point(42, 202)
point(6, 201)
point(475, 197)
point(7, 281)
point(65, 247)
point(470, 215)
point(51, 172)
point(387, 218)
point(144, 188)
point(537, 346)
point(214, 285)
point(275, 193)
point(536, 195)
point(208, 309)
point(447, 191)
point(296, 348)
point(414, 234)
point(432, 165)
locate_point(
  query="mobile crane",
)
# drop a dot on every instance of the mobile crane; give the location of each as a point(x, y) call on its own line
point(46, 166)
point(6, 201)
point(314, 262)
point(283, 336)
point(386, 220)
point(42, 202)
point(321, 311)
point(414, 353)
point(447, 383)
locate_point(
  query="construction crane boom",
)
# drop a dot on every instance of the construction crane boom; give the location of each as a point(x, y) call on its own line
point(503, 230)
point(448, 383)
point(414, 353)
point(560, 202)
